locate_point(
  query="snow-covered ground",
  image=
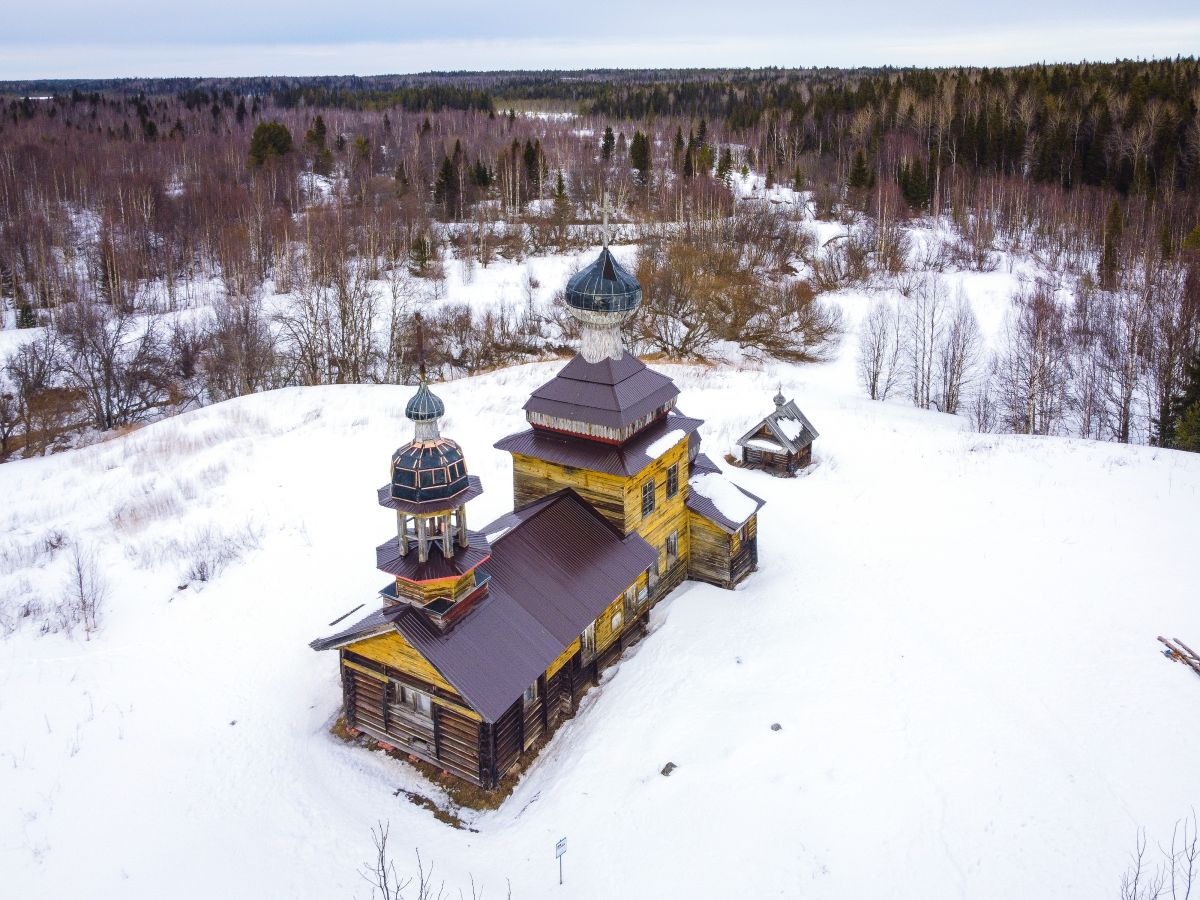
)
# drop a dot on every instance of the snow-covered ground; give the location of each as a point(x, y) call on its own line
point(954, 631)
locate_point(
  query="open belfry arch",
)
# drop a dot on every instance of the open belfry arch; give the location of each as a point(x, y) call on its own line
point(486, 639)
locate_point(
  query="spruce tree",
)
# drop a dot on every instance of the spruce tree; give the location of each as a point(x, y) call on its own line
point(323, 161)
point(606, 146)
point(688, 169)
point(562, 207)
point(270, 140)
point(26, 318)
point(860, 175)
point(1184, 433)
point(445, 189)
point(531, 163)
point(315, 136)
point(639, 156)
point(725, 165)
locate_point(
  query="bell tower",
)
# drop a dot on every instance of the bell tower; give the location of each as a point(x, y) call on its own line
point(434, 556)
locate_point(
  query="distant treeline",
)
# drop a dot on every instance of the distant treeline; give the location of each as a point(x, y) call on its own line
point(142, 198)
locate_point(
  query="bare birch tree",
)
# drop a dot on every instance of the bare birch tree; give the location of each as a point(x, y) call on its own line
point(879, 350)
point(1033, 368)
point(958, 354)
point(922, 335)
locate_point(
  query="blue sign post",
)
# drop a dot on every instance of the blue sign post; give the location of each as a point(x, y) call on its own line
point(559, 849)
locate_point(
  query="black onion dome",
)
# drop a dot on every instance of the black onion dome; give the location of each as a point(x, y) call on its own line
point(428, 470)
point(425, 405)
point(604, 286)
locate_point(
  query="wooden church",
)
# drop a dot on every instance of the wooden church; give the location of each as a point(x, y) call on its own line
point(782, 442)
point(486, 638)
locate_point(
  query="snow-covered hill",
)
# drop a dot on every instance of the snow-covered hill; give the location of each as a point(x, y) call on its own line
point(954, 631)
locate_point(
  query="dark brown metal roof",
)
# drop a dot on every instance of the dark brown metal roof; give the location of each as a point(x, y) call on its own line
point(388, 559)
point(474, 489)
point(552, 574)
point(596, 456)
point(612, 393)
point(703, 464)
point(377, 622)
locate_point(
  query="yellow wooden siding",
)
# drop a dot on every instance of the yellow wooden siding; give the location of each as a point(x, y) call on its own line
point(663, 508)
point(605, 633)
point(571, 650)
point(393, 650)
point(669, 514)
point(709, 552)
point(370, 673)
point(425, 591)
point(535, 478)
point(461, 710)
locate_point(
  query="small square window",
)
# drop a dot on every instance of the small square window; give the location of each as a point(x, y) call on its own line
point(672, 481)
point(632, 601)
point(421, 703)
point(530, 694)
point(614, 623)
point(648, 497)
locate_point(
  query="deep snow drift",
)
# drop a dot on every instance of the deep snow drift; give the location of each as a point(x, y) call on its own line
point(955, 632)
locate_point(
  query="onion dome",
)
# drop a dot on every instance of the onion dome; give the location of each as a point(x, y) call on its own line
point(425, 405)
point(604, 287)
point(779, 399)
point(428, 470)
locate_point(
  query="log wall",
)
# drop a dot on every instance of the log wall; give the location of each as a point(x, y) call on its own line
point(534, 479)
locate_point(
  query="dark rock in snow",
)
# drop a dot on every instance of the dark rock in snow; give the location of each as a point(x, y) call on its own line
point(775, 726)
point(669, 768)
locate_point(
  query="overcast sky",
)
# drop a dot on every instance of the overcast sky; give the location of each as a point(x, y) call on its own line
point(90, 38)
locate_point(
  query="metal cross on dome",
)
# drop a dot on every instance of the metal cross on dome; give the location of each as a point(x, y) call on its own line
point(604, 213)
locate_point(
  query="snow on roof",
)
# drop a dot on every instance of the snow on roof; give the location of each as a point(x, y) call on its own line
point(665, 443)
point(787, 424)
point(725, 496)
point(764, 444)
point(791, 428)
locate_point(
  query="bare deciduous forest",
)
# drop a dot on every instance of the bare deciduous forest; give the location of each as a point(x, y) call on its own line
point(148, 230)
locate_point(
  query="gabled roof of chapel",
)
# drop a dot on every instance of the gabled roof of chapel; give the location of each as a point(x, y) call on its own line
point(787, 425)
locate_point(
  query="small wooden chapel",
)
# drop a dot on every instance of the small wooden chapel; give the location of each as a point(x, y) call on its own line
point(485, 639)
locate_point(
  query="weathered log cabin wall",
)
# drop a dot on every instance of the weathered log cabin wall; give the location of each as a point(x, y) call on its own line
point(721, 558)
point(670, 513)
point(534, 479)
point(743, 551)
point(710, 551)
point(453, 736)
point(423, 592)
point(448, 736)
